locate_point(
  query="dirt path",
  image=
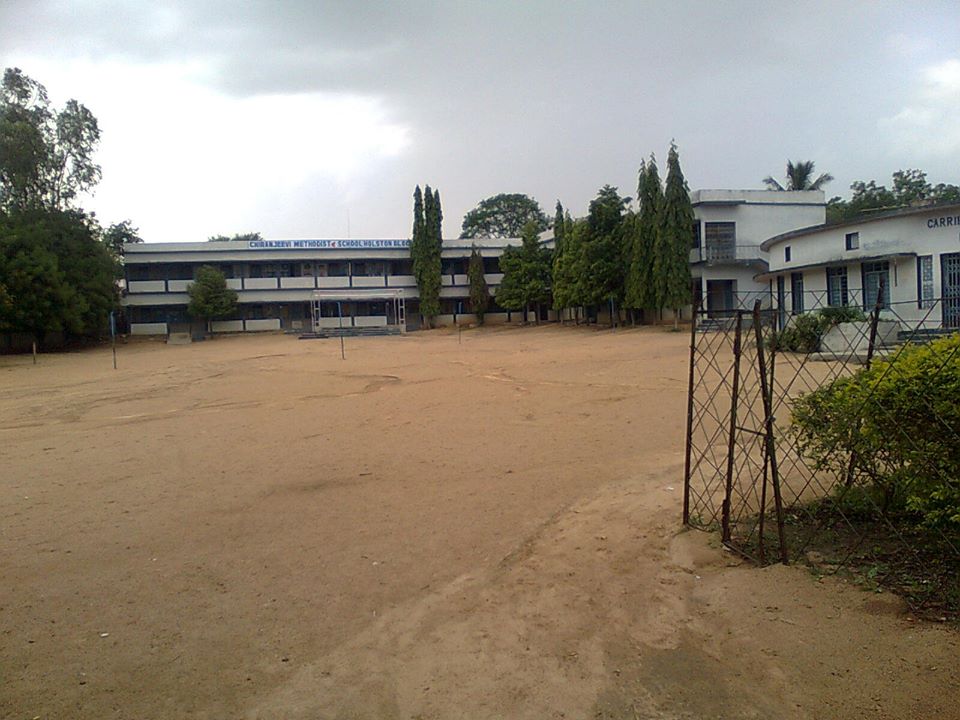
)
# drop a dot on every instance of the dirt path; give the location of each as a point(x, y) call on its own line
point(251, 527)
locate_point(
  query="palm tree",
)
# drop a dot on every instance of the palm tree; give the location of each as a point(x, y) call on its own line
point(799, 177)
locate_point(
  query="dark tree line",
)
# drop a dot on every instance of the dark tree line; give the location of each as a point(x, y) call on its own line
point(614, 258)
point(620, 258)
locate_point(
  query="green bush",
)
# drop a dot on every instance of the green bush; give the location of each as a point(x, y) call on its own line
point(804, 332)
point(894, 429)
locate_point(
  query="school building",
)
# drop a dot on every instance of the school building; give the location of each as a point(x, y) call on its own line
point(302, 285)
point(912, 253)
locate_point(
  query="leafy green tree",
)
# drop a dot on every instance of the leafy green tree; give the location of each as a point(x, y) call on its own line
point(503, 216)
point(601, 267)
point(910, 188)
point(800, 176)
point(425, 250)
point(117, 234)
point(210, 298)
point(479, 292)
point(46, 156)
point(641, 291)
point(671, 262)
point(242, 237)
point(56, 272)
point(526, 272)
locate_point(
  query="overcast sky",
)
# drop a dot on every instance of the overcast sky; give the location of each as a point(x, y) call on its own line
point(288, 118)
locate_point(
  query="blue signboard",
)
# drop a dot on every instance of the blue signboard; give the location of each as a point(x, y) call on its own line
point(328, 244)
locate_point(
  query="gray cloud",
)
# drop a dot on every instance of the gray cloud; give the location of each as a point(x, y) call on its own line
point(553, 99)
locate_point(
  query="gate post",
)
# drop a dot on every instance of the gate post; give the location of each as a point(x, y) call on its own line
point(689, 447)
point(766, 391)
point(731, 443)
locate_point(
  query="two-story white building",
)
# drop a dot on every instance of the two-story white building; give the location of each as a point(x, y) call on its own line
point(301, 285)
point(730, 229)
point(913, 253)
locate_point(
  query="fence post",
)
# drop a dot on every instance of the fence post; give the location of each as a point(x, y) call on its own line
point(689, 447)
point(766, 392)
point(731, 443)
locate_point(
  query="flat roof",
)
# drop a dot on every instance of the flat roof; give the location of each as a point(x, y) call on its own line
point(757, 197)
point(372, 244)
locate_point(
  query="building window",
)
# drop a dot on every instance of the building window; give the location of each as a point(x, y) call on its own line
point(925, 282)
point(836, 286)
point(875, 273)
point(696, 235)
point(852, 241)
point(721, 239)
point(796, 293)
point(786, 254)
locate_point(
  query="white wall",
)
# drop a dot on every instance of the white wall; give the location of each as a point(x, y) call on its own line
point(262, 325)
point(148, 328)
point(306, 281)
point(227, 326)
point(145, 286)
point(760, 214)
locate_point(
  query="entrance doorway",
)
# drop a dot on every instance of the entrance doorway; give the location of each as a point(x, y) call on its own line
point(950, 274)
point(721, 300)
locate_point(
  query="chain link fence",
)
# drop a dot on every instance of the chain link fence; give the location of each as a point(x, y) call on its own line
point(828, 433)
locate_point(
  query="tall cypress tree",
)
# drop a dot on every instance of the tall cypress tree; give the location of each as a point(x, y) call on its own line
point(569, 271)
point(647, 230)
point(672, 260)
point(479, 292)
point(428, 279)
point(559, 278)
point(425, 254)
point(558, 227)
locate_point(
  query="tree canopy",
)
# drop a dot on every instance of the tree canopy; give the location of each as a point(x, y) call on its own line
point(56, 274)
point(800, 176)
point(210, 298)
point(46, 155)
point(503, 216)
point(119, 233)
point(243, 237)
point(910, 188)
point(526, 272)
point(602, 266)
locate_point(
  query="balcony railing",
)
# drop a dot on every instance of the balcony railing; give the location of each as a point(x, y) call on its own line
point(726, 254)
point(305, 282)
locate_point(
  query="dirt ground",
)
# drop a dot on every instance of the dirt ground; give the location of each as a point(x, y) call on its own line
point(251, 527)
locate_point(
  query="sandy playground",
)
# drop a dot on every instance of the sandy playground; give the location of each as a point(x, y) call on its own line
point(251, 527)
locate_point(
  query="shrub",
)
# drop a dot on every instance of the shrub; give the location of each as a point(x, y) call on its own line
point(894, 427)
point(804, 332)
